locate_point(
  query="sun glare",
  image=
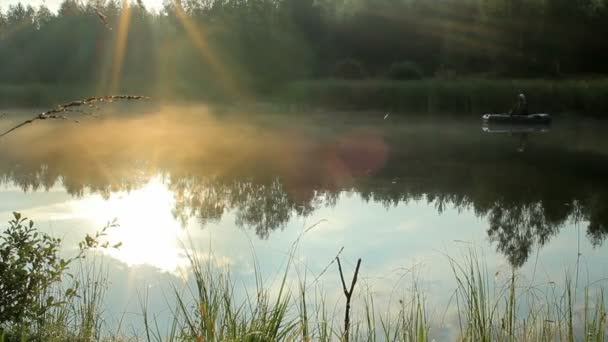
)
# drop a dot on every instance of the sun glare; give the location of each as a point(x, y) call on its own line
point(148, 232)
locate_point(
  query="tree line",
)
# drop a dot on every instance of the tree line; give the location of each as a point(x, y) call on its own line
point(241, 46)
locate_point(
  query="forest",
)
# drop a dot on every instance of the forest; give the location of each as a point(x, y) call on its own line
point(205, 49)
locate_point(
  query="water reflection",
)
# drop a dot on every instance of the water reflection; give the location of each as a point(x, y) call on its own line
point(270, 169)
point(520, 132)
point(150, 235)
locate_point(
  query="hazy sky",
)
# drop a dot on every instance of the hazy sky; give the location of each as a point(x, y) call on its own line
point(54, 4)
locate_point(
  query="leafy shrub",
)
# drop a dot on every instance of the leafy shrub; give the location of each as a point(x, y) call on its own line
point(29, 266)
point(31, 270)
point(405, 70)
point(349, 69)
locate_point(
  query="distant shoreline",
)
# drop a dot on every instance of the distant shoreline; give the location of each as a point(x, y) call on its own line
point(463, 96)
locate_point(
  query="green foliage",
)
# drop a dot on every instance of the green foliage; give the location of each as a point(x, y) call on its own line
point(451, 96)
point(94, 241)
point(488, 309)
point(29, 267)
point(227, 49)
point(493, 310)
point(34, 299)
point(189, 50)
point(405, 70)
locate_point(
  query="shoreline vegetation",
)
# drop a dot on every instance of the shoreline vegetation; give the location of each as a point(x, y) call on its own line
point(69, 307)
point(461, 56)
point(587, 97)
point(473, 96)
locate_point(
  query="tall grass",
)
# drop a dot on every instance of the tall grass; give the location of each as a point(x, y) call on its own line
point(78, 315)
point(512, 311)
point(487, 310)
point(408, 323)
point(207, 309)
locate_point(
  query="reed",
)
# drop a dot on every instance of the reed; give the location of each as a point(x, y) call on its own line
point(208, 309)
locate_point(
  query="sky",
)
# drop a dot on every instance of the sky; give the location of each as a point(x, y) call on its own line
point(54, 4)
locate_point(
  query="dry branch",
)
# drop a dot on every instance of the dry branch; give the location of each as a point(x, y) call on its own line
point(348, 294)
point(59, 111)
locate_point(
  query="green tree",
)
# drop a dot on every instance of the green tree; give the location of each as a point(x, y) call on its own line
point(43, 17)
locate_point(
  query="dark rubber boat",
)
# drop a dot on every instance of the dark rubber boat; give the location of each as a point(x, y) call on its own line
point(530, 119)
point(514, 129)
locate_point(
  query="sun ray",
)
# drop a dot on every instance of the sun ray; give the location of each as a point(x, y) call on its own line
point(198, 36)
point(120, 47)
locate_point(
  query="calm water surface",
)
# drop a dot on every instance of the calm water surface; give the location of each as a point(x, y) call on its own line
point(400, 193)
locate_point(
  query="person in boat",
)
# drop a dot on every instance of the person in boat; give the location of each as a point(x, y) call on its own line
point(521, 107)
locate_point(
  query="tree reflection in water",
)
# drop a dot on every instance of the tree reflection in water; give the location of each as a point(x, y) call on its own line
point(267, 175)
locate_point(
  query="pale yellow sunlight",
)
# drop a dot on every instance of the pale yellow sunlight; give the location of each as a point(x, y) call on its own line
point(197, 34)
point(148, 232)
point(120, 48)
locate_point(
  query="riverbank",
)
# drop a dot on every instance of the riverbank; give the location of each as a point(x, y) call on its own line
point(462, 96)
point(453, 96)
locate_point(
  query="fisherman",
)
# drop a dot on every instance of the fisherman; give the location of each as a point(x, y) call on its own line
point(521, 107)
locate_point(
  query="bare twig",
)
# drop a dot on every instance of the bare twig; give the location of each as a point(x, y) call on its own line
point(72, 107)
point(348, 294)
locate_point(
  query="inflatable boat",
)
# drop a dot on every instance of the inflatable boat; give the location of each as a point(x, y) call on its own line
point(514, 129)
point(506, 118)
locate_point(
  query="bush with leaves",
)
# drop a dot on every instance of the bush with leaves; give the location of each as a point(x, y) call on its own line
point(29, 266)
point(31, 270)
